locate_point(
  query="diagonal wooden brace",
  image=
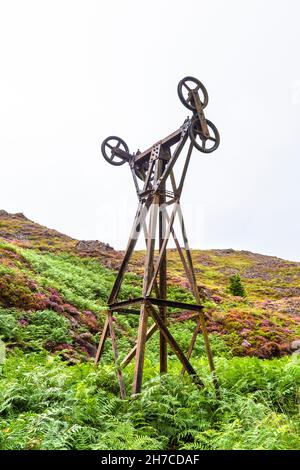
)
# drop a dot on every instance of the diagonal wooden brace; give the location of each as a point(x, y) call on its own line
point(150, 332)
point(174, 345)
point(116, 355)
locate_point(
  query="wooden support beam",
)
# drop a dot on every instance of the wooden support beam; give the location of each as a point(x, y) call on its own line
point(185, 168)
point(116, 355)
point(156, 289)
point(162, 251)
point(173, 344)
point(182, 258)
point(201, 320)
point(175, 304)
point(125, 303)
point(136, 228)
point(150, 332)
point(181, 254)
point(126, 311)
point(102, 341)
point(140, 351)
point(162, 293)
point(142, 331)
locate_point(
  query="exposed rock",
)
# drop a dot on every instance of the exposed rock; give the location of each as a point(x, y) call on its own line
point(208, 294)
point(86, 336)
point(86, 346)
point(295, 344)
point(20, 215)
point(21, 236)
point(226, 251)
point(92, 246)
point(245, 332)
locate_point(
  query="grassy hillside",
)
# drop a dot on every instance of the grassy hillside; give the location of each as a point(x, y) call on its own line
point(53, 290)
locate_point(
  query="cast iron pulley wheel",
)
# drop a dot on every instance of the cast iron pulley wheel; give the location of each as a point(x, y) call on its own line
point(200, 141)
point(110, 147)
point(185, 88)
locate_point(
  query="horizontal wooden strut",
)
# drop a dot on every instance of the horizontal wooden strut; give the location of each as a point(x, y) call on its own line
point(125, 303)
point(155, 301)
point(175, 304)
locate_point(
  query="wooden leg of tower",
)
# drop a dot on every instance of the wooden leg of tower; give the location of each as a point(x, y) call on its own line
point(201, 320)
point(193, 341)
point(173, 344)
point(136, 229)
point(116, 355)
point(162, 251)
point(163, 343)
point(148, 274)
point(118, 281)
point(182, 257)
point(140, 351)
point(102, 341)
point(163, 314)
point(156, 289)
point(201, 323)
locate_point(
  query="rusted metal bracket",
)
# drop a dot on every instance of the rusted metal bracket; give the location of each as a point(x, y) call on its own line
point(200, 113)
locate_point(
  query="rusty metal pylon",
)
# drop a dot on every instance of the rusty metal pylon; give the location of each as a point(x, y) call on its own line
point(152, 172)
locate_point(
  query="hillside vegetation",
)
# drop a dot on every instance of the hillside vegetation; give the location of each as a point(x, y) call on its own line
point(53, 291)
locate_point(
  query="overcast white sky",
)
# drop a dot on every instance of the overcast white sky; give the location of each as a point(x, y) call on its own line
point(74, 72)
